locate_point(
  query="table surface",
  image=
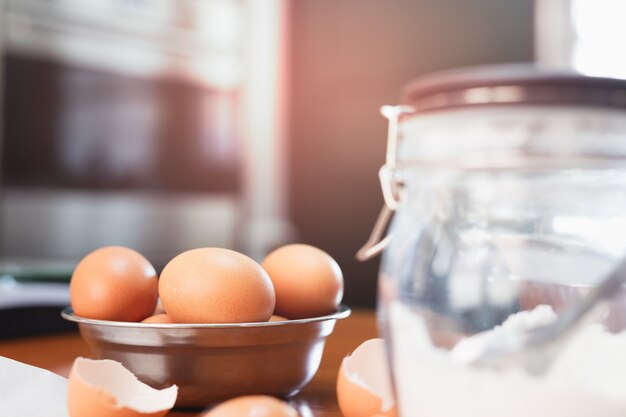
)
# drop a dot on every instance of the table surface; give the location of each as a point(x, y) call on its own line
point(318, 398)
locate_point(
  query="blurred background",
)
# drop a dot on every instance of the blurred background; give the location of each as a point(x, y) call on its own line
point(168, 125)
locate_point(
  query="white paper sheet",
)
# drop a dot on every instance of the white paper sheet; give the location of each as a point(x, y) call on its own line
point(28, 391)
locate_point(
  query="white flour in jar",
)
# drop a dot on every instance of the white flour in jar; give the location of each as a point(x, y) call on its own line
point(588, 378)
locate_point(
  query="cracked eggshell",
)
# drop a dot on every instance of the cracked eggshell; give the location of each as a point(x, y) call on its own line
point(105, 388)
point(364, 384)
point(253, 406)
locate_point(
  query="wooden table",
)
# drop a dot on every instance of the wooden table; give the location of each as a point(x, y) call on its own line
point(318, 399)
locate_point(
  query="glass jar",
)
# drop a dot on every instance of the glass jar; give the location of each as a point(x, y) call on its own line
point(509, 191)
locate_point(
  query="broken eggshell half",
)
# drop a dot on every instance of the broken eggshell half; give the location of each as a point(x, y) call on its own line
point(105, 388)
point(363, 383)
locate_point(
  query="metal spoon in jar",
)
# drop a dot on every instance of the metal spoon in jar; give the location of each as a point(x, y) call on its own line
point(536, 348)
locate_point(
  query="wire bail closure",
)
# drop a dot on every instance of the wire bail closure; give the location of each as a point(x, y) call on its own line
point(390, 182)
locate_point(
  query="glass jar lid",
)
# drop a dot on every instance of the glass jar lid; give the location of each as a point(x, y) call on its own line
point(512, 84)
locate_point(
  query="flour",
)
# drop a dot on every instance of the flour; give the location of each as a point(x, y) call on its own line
point(587, 379)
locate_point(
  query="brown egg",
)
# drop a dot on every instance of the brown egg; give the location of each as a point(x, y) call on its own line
point(114, 283)
point(104, 388)
point(308, 282)
point(162, 318)
point(277, 318)
point(215, 285)
point(253, 406)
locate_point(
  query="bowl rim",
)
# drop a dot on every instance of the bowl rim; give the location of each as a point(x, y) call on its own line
point(67, 313)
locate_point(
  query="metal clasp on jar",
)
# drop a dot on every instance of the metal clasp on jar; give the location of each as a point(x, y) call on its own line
point(390, 181)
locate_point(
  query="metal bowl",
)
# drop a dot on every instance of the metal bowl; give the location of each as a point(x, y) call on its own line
point(214, 362)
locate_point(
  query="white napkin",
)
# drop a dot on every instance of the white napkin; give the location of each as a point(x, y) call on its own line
point(28, 391)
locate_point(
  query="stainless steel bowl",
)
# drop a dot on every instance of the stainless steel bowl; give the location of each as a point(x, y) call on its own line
point(214, 362)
